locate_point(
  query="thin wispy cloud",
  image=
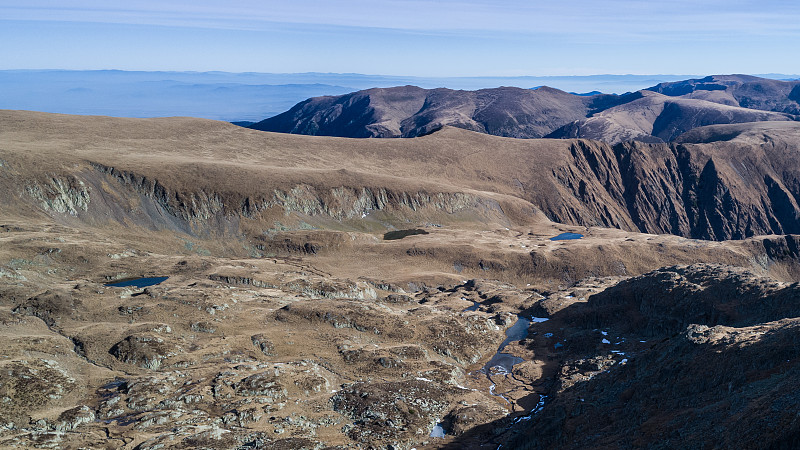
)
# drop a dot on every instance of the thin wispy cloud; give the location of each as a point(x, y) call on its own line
point(581, 17)
point(533, 37)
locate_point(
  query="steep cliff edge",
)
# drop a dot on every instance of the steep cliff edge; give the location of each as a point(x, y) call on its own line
point(746, 185)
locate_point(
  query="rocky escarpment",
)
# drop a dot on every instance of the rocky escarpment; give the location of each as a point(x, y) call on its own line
point(337, 202)
point(60, 194)
point(109, 193)
point(715, 366)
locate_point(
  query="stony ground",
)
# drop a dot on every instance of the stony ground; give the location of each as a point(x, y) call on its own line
point(279, 352)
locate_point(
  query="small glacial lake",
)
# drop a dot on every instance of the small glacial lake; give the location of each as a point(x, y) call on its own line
point(138, 282)
point(566, 237)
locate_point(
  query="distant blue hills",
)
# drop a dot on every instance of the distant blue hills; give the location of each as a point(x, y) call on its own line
point(247, 96)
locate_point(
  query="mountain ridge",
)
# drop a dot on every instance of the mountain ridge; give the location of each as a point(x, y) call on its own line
point(544, 111)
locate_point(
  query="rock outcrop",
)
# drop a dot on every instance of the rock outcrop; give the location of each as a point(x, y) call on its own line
point(716, 367)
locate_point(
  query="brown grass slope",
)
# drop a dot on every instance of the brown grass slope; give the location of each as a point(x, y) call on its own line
point(200, 170)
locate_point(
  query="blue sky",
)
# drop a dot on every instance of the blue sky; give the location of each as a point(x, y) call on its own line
point(405, 37)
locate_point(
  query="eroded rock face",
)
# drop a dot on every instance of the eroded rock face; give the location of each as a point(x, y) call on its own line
point(61, 194)
point(73, 418)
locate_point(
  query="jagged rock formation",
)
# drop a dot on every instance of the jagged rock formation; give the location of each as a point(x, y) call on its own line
point(715, 190)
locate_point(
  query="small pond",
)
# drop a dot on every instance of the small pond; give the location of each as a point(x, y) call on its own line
point(474, 307)
point(438, 431)
point(566, 237)
point(138, 282)
point(400, 234)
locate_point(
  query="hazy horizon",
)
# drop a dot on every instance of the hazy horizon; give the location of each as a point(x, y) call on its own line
point(249, 96)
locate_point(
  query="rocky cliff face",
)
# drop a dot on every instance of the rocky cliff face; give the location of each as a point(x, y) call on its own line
point(344, 202)
point(722, 190)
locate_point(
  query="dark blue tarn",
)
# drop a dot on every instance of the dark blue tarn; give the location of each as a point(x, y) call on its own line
point(566, 236)
point(139, 282)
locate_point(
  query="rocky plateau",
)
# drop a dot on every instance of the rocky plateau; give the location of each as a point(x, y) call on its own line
point(330, 292)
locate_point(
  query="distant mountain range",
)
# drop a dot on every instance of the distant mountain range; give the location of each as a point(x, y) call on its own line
point(660, 113)
point(410, 111)
point(240, 97)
